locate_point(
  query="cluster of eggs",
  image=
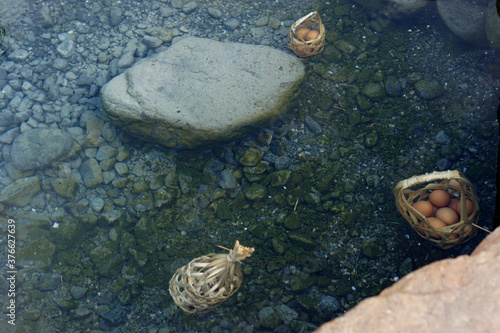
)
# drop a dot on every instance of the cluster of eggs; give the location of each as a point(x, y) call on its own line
point(304, 34)
point(442, 210)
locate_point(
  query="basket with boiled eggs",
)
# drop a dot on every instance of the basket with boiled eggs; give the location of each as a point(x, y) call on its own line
point(307, 36)
point(444, 211)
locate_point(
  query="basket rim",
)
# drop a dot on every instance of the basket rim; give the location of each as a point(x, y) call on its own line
point(430, 177)
point(300, 21)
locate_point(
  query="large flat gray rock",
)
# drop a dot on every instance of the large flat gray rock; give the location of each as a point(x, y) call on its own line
point(200, 91)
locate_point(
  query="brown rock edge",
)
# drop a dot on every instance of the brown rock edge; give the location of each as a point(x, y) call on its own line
point(452, 295)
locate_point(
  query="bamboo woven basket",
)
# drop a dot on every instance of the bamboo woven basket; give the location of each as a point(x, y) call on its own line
point(208, 280)
point(299, 43)
point(458, 187)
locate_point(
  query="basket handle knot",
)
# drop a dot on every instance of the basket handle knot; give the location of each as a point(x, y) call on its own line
point(238, 253)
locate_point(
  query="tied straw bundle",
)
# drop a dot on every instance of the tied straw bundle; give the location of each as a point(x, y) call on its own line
point(208, 280)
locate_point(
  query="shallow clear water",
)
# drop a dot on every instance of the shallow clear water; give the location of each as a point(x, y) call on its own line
point(316, 201)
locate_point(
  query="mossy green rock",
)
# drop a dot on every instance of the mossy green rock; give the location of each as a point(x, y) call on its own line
point(143, 202)
point(405, 267)
point(301, 282)
point(87, 221)
point(429, 88)
point(256, 192)
point(325, 103)
point(374, 247)
point(258, 169)
point(39, 253)
point(140, 186)
point(32, 315)
point(65, 187)
point(185, 178)
point(78, 292)
point(142, 229)
point(414, 77)
point(124, 153)
point(292, 222)
point(302, 240)
point(107, 261)
point(65, 303)
point(161, 32)
point(127, 242)
point(106, 152)
point(332, 54)
point(280, 178)
point(354, 117)
point(107, 164)
point(308, 302)
point(117, 285)
point(49, 281)
point(163, 197)
point(20, 192)
point(138, 258)
point(223, 211)
point(156, 182)
point(259, 230)
point(253, 178)
point(251, 157)
point(375, 91)
point(306, 170)
point(69, 236)
point(371, 139)
point(363, 102)
point(345, 46)
point(312, 198)
point(125, 297)
point(322, 71)
point(35, 220)
point(393, 86)
point(279, 246)
point(268, 317)
point(91, 173)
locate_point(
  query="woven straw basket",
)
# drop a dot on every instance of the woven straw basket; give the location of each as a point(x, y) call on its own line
point(301, 38)
point(208, 280)
point(458, 187)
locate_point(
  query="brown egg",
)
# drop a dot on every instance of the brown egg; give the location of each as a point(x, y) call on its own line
point(313, 34)
point(447, 215)
point(453, 204)
point(439, 198)
point(423, 225)
point(424, 207)
point(301, 33)
point(468, 228)
point(436, 224)
point(299, 50)
point(468, 204)
point(452, 236)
